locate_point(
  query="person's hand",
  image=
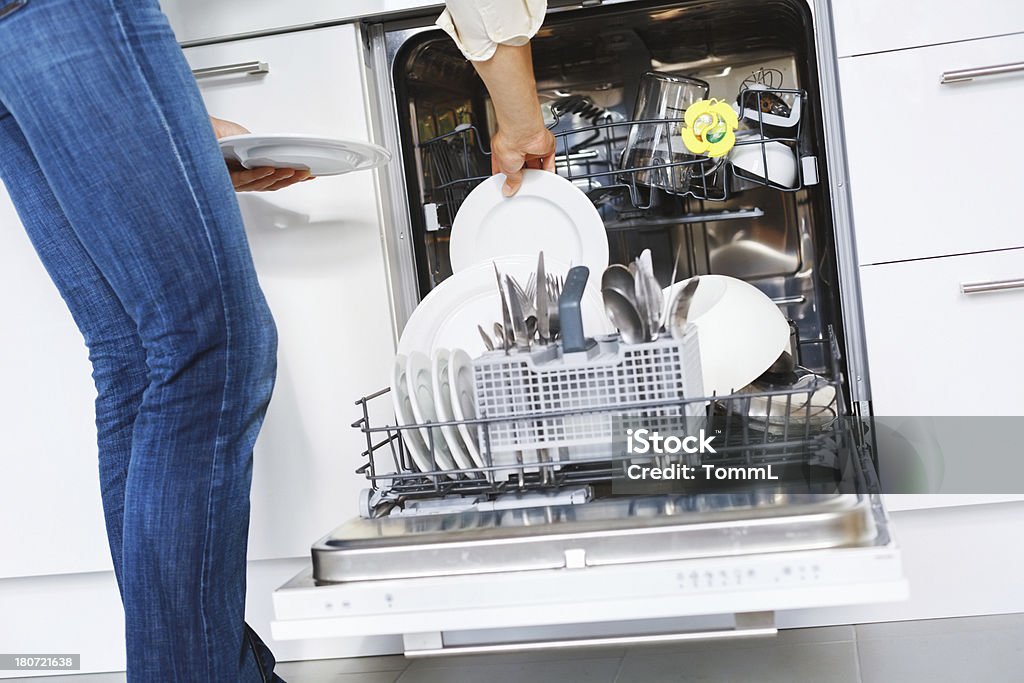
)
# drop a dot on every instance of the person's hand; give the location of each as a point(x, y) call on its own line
point(511, 153)
point(264, 179)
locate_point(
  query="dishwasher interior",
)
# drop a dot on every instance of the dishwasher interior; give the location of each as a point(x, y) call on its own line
point(526, 510)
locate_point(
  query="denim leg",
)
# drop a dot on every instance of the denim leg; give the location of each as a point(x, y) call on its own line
point(115, 350)
point(106, 102)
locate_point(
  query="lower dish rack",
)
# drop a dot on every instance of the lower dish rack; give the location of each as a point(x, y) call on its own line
point(531, 448)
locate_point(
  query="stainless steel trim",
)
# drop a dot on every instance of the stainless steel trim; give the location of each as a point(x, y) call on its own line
point(748, 625)
point(842, 211)
point(965, 75)
point(608, 532)
point(402, 282)
point(991, 286)
point(253, 68)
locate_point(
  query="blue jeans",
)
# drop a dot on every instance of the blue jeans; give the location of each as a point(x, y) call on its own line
point(109, 156)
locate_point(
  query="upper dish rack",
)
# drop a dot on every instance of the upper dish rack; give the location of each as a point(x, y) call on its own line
point(592, 157)
point(779, 426)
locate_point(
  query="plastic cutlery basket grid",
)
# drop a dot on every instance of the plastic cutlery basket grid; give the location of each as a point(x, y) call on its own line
point(547, 407)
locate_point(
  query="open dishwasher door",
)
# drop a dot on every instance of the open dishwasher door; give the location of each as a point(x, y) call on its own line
point(563, 554)
point(611, 571)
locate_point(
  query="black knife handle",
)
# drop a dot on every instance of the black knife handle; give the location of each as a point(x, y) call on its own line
point(570, 311)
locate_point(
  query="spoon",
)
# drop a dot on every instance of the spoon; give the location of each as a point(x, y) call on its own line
point(619, 278)
point(624, 316)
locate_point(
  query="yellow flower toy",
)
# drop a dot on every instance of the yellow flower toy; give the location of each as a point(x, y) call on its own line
point(710, 126)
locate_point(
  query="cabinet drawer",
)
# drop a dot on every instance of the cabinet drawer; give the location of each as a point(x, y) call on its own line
point(318, 252)
point(864, 26)
point(934, 350)
point(941, 179)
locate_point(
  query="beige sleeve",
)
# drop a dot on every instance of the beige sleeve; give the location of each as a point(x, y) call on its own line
point(478, 27)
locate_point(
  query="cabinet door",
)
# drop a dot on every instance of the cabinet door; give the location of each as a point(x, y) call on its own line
point(934, 169)
point(49, 491)
point(864, 26)
point(934, 350)
point(319, 256)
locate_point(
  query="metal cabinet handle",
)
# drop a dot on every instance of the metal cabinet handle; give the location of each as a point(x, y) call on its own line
point(246, 68)
point(992, 286)
point(964, 75)
point(748, 625)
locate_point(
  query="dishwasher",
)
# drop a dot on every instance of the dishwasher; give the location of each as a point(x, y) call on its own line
point(559, 556)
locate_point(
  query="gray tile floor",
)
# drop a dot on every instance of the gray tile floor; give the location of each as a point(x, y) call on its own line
point(982, 649)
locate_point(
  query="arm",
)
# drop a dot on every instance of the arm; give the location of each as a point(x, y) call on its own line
point(495, 36)
point(255, 179)
point(522, 140)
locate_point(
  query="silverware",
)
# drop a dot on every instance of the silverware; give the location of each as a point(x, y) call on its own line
point(554, 287)
point(652, 296)
point(502, 336)
point(619, 278)
point(672, 282)
point(681, 308)
point(506, 314)
point(488, 343)
point(543, 319)
point(522, 338)
point(624, 315)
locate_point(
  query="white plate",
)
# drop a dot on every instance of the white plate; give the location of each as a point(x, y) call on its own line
point(448, 316)
point(445, 410)
point(320, 156)
point(741, 331)
point(404, 416)
point(548, 214)
point(460, 379)
point(421, 394)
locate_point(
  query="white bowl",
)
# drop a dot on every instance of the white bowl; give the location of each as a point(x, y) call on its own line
point(781, 161)
point(740, 330)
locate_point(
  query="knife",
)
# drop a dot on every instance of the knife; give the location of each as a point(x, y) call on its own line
point(505, 313)
point(543, 320)
point(516, 311)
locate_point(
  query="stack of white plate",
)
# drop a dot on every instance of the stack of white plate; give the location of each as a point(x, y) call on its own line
point(433, 374)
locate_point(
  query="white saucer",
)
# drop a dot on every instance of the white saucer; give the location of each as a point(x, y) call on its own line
point(421, 396)
point(548, 214)
point(320, 156)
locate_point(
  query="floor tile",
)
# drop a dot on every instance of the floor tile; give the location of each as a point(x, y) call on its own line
point(943, 651)
point(926, 627)
point(835, 662)
point(564, 671)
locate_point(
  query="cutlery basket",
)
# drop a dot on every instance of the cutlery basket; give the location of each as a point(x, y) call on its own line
point(546, 406)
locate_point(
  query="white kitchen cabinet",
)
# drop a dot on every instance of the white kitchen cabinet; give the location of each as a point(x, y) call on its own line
point(202, 20)
point(936, 351)
point(49, 491)
point(319, 256)
point(934, 168)
point(864, 26)
point(937, 356)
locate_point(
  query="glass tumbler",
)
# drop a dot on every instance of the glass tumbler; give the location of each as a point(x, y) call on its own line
point(655, 141)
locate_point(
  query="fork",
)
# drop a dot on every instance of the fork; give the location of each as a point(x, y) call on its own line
point(554, 285)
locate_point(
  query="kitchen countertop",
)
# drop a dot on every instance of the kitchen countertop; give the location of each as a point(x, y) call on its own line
point(201, 21)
